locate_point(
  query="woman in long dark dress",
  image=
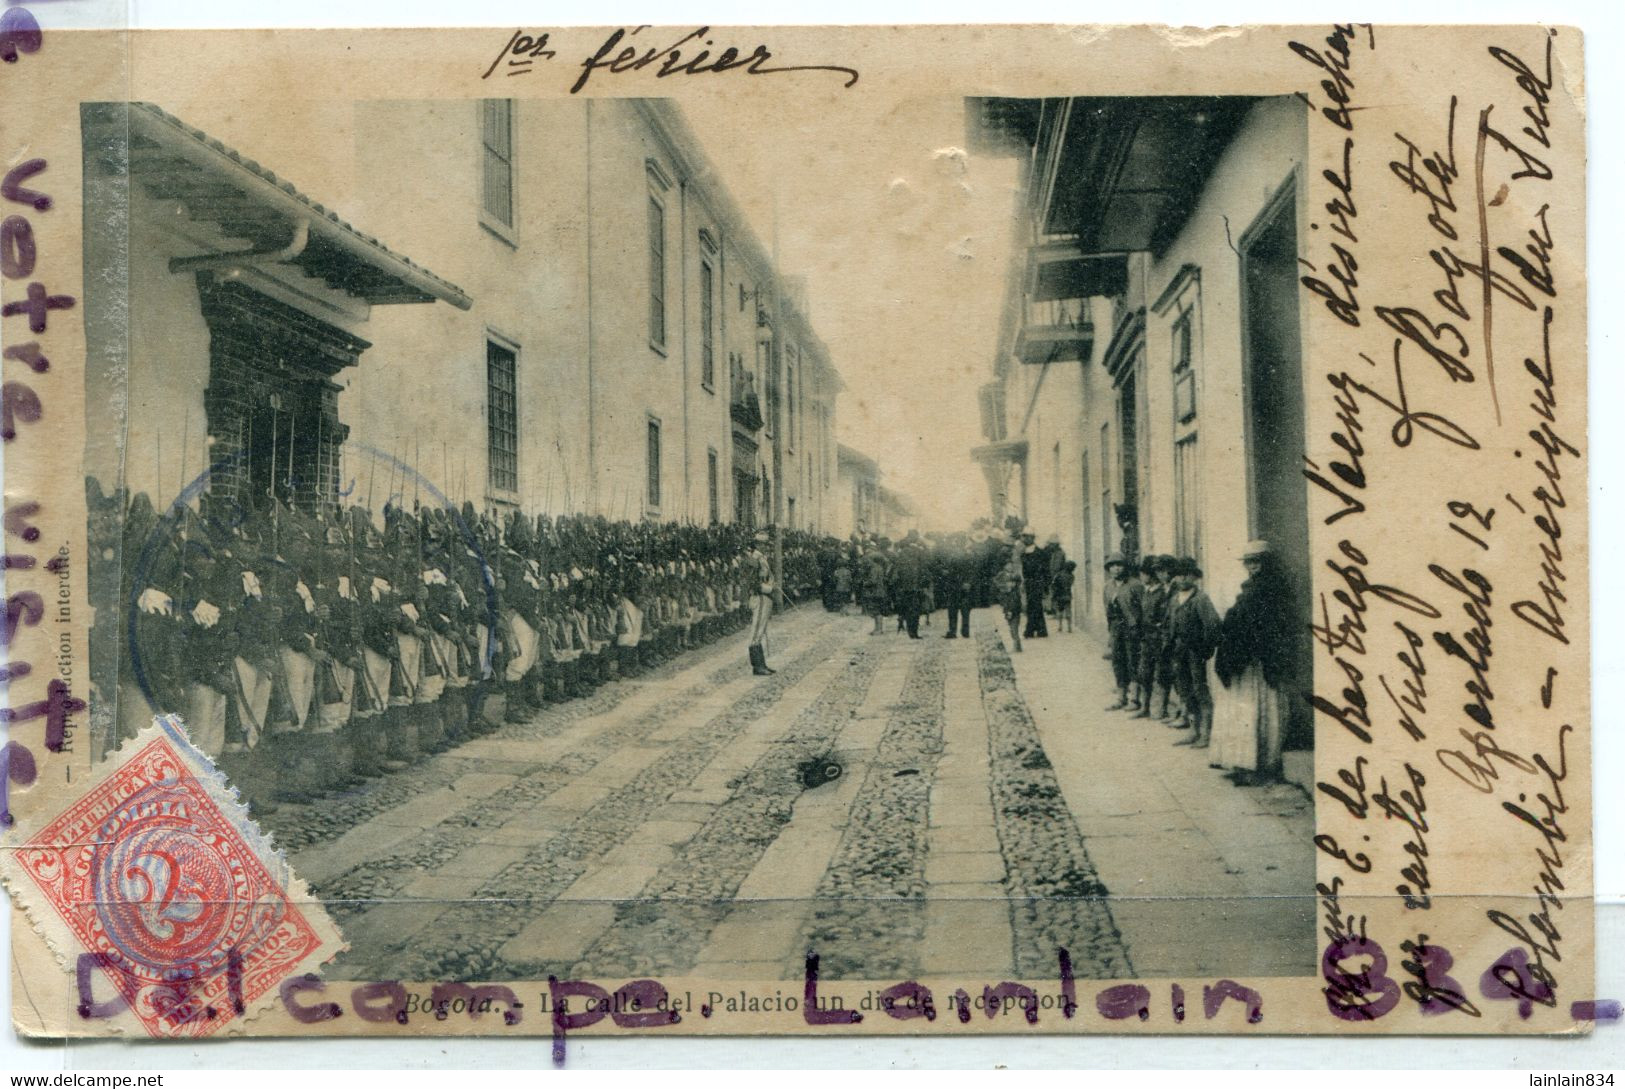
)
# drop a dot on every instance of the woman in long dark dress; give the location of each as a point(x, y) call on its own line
point(1252, 662)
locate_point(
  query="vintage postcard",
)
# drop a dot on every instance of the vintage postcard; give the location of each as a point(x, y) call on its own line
point(833, 530)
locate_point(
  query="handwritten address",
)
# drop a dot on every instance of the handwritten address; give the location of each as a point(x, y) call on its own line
point(1413, 682)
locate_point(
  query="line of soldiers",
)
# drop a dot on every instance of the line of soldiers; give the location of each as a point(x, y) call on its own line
point(1162, 630)
point(309, 650)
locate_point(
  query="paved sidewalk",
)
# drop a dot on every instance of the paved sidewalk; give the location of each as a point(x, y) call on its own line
point(1204, 877)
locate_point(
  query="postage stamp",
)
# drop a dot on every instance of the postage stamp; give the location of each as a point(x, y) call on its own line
point(799, 530)
point(158, 882)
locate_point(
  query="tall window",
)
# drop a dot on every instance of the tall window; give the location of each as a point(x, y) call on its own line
point(1086, 562)
point(790, 405)
point(657, 272)
point(1184, 373)
point(708, 332)
point(501, 417)
point(496, 136)
point(712, 483)
point(1108, 520)
point(1187, 453)
point(1056, 518)
point(1188, 498)
point(654, 464)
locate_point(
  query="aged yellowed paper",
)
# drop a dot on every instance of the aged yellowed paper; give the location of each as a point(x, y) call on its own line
point(796, 530)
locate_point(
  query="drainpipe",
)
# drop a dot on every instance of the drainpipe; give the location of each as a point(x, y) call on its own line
point(682, 278)
point(592, 417)
point(301, 235)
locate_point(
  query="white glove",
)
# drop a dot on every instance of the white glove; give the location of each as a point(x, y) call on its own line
point(155, 602)
point(206, 615)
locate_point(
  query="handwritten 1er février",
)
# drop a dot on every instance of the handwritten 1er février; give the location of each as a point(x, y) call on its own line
point(615, 56)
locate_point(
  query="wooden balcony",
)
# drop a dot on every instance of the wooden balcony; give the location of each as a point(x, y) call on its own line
point(1056, 331)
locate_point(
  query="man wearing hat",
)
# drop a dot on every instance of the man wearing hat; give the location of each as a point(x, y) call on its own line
point(760, 571)
point(1156, 571)
point(1193, 633)
point(1035, 573)
point(1122, 624)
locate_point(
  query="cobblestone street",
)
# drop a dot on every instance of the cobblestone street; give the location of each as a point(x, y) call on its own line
point(989, 812)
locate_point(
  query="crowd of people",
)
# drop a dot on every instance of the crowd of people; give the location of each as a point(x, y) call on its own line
point(1166, 640)
point(306, 650)
point(913, 576)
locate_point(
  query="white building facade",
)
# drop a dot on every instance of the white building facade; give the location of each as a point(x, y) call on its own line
point(1147, 392)
point(602, 331)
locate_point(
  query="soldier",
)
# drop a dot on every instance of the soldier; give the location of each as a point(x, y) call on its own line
point(477, 641)
point(628, 627)
point(293, 680)
point(521, 620)
point(874, 572)
point(445, 603)
point(255, 630)
point(1193, 625)
point(1153, 630)
point(352, 612)
point(1122, 624)
point(1060, 592)
point(431, 686)
point(207, 660)
point(760, 572)
point(146, 616)
point(381, 653)
point(343, 691)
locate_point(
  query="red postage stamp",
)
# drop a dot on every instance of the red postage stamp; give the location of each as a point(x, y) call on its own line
point(173, 895)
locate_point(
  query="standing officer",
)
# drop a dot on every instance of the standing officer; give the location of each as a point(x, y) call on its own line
point(760, 571)
point(908, 582)
point(1035, 571)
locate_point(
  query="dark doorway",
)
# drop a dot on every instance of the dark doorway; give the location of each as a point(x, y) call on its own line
point(1128, 446)
point(271, 402)
point(284, 444)
point(745, 499)
point(1278, 495)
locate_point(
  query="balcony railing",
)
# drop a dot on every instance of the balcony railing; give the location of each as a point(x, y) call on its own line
point(1055, 330)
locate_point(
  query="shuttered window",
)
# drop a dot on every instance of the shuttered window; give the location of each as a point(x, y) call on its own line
point(502, 417)
point(654, 464)
point(657, 273)
point(708, 335)
point(496, 137)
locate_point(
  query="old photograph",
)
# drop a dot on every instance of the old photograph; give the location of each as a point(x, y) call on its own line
point(540, 511)
point(796, 535)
